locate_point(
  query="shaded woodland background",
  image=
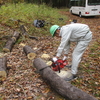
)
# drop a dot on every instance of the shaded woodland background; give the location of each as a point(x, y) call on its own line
point(53, 3)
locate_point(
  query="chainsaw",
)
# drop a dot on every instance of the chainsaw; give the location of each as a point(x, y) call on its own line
point(59, 64)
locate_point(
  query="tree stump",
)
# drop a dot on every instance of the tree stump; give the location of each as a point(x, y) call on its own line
point(29, 52)
point(61, 86)
point(3, 68)
point(11, 41)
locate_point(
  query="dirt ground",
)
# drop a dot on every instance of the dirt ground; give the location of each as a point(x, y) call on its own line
point(23, 82)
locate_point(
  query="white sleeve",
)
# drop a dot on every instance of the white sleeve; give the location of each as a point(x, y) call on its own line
point(67, 47)
point(66, 33)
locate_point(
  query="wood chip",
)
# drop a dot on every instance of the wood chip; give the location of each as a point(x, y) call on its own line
point(45, 56)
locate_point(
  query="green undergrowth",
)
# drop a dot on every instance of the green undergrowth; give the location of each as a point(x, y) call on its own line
point(13, 16)
point(27, 13)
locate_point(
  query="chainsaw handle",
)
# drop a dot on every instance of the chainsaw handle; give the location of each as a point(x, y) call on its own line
point(58, 67)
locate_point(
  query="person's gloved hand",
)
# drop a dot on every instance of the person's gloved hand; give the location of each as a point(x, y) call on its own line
point(65, 57)
point(54, 59)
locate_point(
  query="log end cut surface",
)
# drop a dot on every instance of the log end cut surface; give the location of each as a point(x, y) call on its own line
point(31, 56)
point(6, 50)
point(3, 75)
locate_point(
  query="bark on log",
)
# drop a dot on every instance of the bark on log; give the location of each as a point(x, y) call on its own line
point(3, 67)
point(24, 32)
point(29, 52)
point(9, 44)
point(61, 86)
point(16, 35)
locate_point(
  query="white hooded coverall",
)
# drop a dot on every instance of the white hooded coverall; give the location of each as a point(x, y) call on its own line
point(76, 32)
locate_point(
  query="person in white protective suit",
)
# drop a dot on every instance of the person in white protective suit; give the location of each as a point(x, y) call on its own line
point(76, 32)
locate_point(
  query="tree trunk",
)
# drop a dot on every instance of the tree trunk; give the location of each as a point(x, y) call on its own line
point(3, 67)
point(29, 52)
point(9, 44)
point(63, 87)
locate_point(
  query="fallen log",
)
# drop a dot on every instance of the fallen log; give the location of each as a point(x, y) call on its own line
point(11, 41)
point(61, 86)
point(29, 52)
point(9, 44)
point(16, 35)
point(3, 68)
point(24, 32)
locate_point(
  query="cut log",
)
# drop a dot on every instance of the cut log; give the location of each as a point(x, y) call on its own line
point(29, 52)
point(16, 35)
point(9, 44)
point(11, 41)
point(63, 87)
point(3, 68)
point(24, 32)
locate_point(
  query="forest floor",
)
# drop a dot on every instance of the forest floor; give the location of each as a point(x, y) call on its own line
point(24, 83)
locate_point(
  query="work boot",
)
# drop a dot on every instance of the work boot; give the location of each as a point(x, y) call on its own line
point(70, 76)
point(68, 66)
